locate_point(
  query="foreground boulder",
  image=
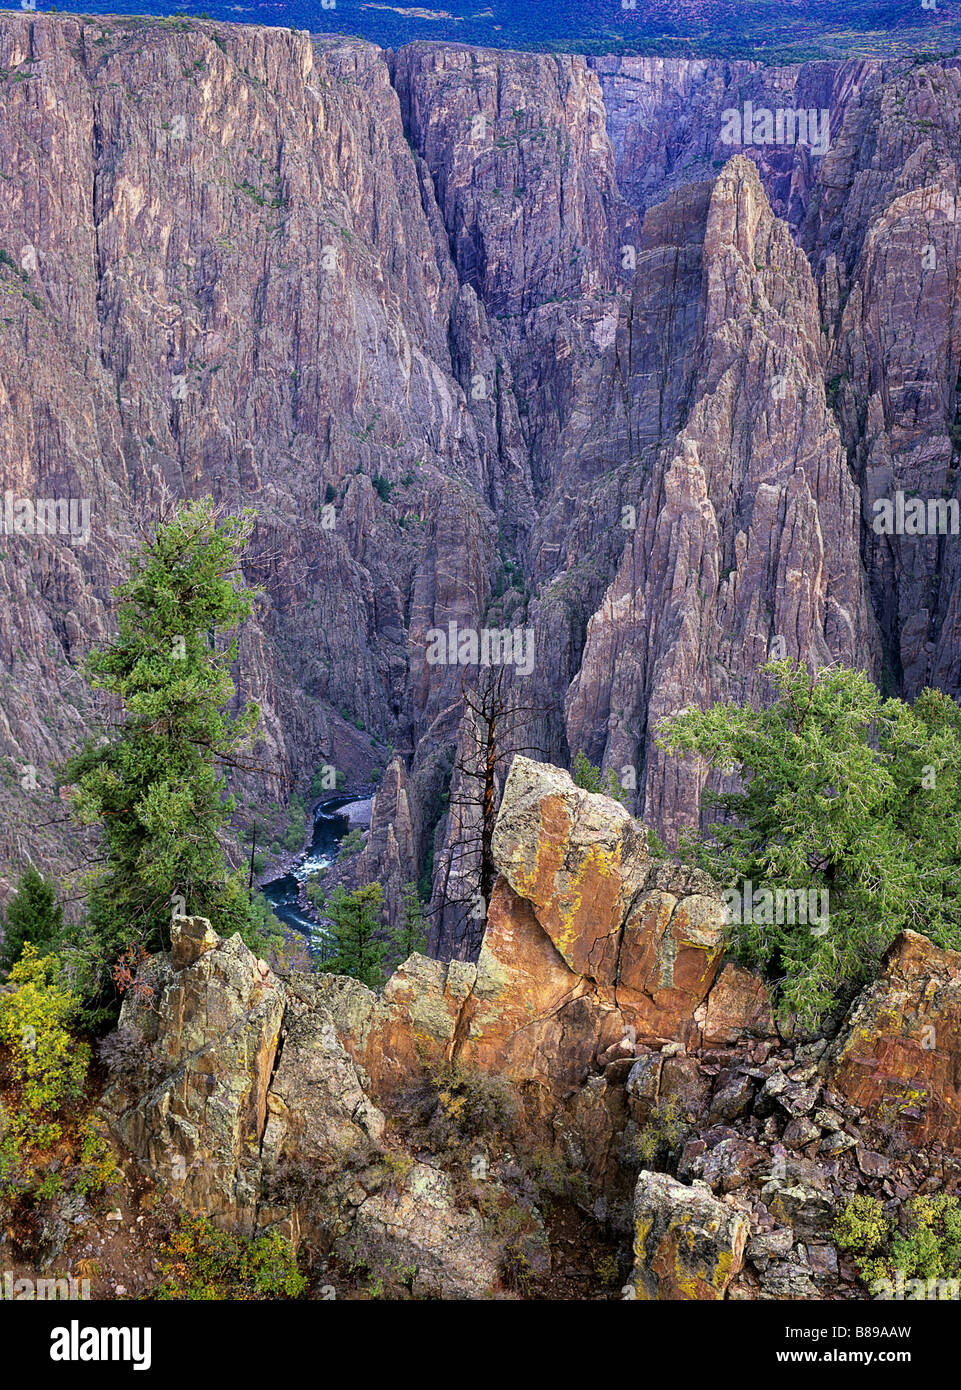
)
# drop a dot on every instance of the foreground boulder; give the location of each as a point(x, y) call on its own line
point(211, 1033)
point(687, 1244)
point(648, 936)
point(249, 1110)
point(898, 1055)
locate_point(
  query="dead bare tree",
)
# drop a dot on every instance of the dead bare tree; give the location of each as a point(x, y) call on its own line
point(492, 733)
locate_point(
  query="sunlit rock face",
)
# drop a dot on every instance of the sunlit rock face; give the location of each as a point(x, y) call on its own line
point(897, 1054)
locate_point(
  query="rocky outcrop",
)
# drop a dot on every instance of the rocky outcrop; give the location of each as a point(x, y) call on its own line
point(212, 1031)
point(390, 854)
point(738, 1007)
point(747, 540)
point(261, 1119)
point(693, 1128)
point(587, 940)
point(897, 1056)
point(648, 937)
point(687, 1245)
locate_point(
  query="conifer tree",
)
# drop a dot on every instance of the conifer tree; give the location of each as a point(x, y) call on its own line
point(155, 783)
point(33, 914)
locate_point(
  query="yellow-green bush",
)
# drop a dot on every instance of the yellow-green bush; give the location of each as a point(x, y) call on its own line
point(43, 1065)
point(198, 1262)
point(926, 1246)
point(862, 1228)
point(931, 1246)
point(468, 1104)
point(96, 1167)
point(665, 1129)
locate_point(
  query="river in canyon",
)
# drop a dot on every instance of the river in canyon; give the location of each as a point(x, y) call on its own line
point(332, 820)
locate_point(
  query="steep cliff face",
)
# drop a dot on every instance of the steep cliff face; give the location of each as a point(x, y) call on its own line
point(748, 532)
point(884, 236)
point(487, 339)
point(237, 284)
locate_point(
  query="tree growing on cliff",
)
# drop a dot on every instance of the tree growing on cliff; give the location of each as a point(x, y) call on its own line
point(33, 914)
point(843, 794)
point(411, 933)
point(358, 942)
point(355, 943)
point(584, 774)
point(155, 784)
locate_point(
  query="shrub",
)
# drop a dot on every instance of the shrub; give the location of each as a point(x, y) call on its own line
point(926, 1245)
point(198, 1262)
point(665, 1130)
point(44, 1067)
point(862, 1228)
point(266, 929)
point(96, 1168)
point(931, 1246)
point(464, 1104)
point(296, 818)
point(586, 775)
point(126, 1054)
point(45, 1064)
point(352, 843)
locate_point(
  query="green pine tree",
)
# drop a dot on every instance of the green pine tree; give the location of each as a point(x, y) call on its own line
point(356, 942)
point(155, 783)
point(33, 914)
point(410, 935)
point(844, 791)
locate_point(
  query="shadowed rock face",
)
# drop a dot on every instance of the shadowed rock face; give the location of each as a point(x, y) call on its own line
point(535, 334)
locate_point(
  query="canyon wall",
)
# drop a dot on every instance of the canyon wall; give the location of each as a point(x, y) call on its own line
point(486, 338)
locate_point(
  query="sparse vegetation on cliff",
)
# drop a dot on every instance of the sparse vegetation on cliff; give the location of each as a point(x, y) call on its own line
point(154, 783)
point(202, 1263)
point(841, 792)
